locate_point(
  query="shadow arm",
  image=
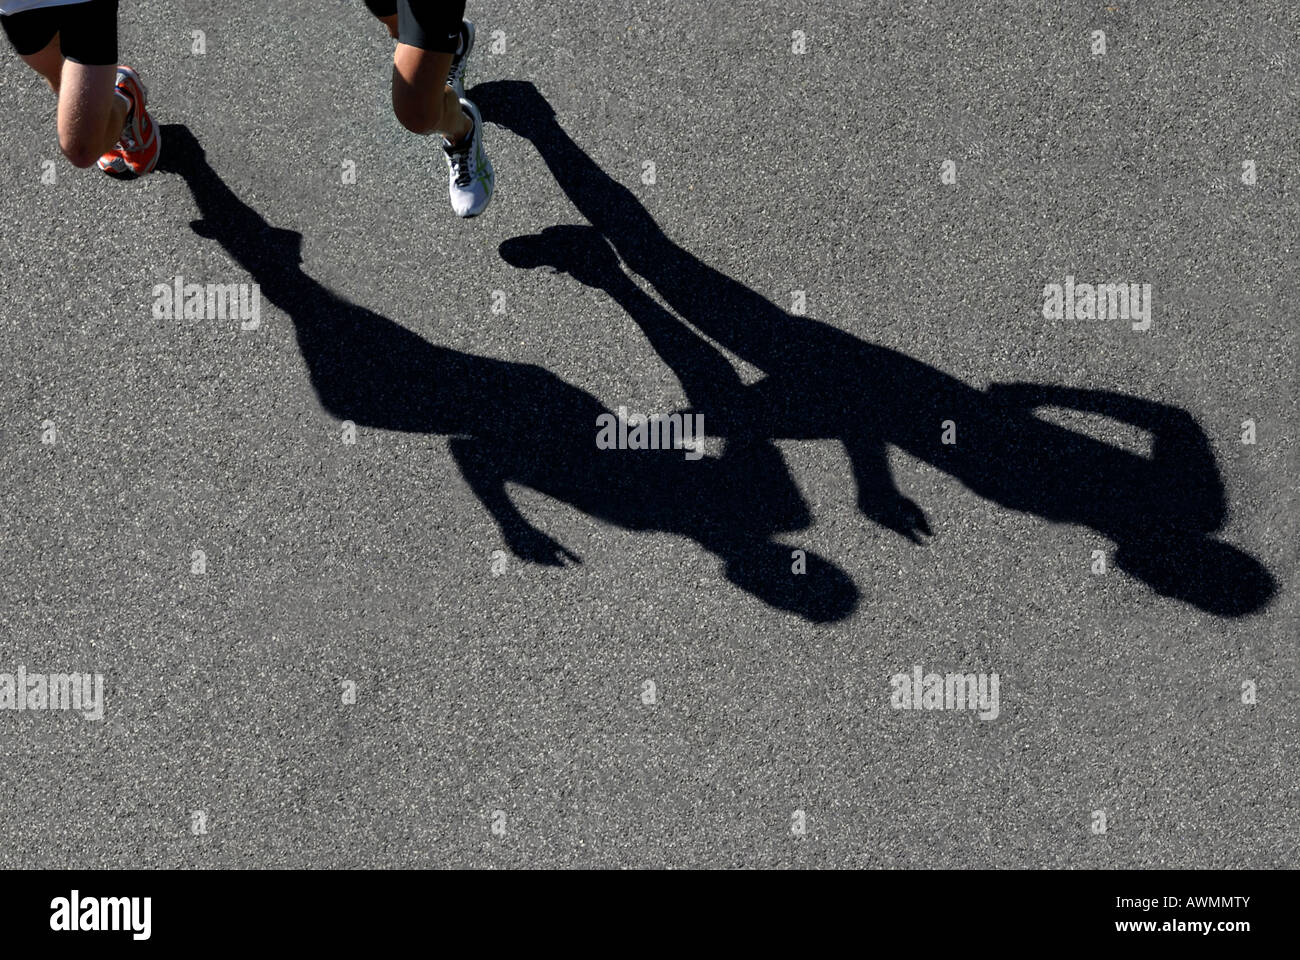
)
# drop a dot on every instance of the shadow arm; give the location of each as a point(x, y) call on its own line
point(1180, 448)
point(878, 496)
point(707, 377)
point(1145, 414)
point(488, 483)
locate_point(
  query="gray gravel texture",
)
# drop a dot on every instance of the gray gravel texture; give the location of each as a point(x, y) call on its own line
point(494, 691)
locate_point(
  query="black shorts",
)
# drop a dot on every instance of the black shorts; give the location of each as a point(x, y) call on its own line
point(87, 31)
point(432, 25)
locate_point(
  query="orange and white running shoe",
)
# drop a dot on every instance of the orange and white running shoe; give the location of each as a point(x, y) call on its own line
point(137, 152)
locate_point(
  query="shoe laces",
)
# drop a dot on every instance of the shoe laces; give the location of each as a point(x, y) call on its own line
point(458, 156)
point(127, 140)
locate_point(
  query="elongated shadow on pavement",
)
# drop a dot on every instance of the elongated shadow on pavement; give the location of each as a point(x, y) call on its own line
point(518, 423)
point(823, 383)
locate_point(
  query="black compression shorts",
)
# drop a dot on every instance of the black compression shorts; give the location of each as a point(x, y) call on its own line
point(87, 31)
point(432, 25)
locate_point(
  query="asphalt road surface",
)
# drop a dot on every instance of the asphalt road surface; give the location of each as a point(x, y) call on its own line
point(363, 590)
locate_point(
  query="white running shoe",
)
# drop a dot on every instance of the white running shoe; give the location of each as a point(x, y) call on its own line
point(470, 175)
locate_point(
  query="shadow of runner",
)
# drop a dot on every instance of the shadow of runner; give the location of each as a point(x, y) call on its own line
point(517, 423)
point(823, 383)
